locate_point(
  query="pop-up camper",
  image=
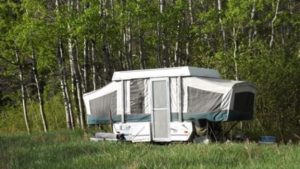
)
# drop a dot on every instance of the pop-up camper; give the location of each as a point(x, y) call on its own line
point(163, 105)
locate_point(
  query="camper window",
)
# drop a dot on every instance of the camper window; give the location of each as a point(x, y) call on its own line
point(137, 96)
point(104, 105)
point(201, 101)
point(244, 102)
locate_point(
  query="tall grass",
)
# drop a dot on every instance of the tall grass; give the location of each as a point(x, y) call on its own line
point(74, 150)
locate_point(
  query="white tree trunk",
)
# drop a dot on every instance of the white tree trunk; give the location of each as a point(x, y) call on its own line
point(129, 42)
point(141, 47)
point(250, 34)
point(77, 91)
point(85, 65)
point(189, 41)
point(158, 45)
point(161, 6)
point(72, 66)
point(176, 50)
point(221, 23)
point(187, 53)
point(40, 97)
point(72, 71)
point(63, 81)
point(93, 65)
point(64, 87)
point(272, 24)
point(234, 34)
point(127, 46)
point(191, 11)
point(75, 76)
point(165, 59)
point(107, 68)
point(23, 95)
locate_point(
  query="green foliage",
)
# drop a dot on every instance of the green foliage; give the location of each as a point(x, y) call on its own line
point(12, 117)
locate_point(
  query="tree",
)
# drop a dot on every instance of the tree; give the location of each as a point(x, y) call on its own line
point(23, 95)
point(62, 67)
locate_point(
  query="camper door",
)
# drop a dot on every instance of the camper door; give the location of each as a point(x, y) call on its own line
point(160, 109)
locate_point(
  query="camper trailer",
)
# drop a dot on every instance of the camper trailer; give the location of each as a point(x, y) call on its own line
point(167, 104)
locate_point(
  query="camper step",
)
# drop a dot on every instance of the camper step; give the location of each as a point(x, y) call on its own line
point(102, 139)
point(107, 136)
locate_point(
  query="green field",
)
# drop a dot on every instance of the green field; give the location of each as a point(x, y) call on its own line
point(73, 150)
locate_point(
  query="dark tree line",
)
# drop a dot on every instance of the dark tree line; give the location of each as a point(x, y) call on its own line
point(52, 52)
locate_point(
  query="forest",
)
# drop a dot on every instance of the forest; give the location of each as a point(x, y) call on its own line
point(54, 51)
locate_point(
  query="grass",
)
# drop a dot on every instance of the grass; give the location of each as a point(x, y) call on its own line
point(73, 150)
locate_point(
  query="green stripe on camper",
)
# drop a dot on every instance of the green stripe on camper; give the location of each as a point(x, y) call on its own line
point(234, 115)
point(224, 115)
point(94, 119)
point(211, 116)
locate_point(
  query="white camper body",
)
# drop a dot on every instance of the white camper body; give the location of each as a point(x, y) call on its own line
point(161, 105)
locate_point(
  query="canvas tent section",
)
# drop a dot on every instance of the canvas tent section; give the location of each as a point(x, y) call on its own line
point(104, 105)
point(216, 99)
point(107, 104)
point(193, 93)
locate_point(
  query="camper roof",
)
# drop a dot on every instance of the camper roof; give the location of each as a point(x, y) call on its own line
point(165, 72)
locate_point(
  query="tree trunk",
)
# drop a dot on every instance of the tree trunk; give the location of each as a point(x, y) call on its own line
point(162, 34)
point(72, 71)
point(77, 91)
point(93, 65)
point(129, 42)
point(189, 41)
point(85, 65)
point(143, 62)
point(78, 66)
point(272, 24)
point(23, 96)
point(75, 76)
point(234, 34)
point(63, 80)
point(163, 44)
point(221, 24)
point(158, 46)
point(72, 66)
point(77, 7)
point(64, 86)
point(39, 92)
point(235, 50)
point(187, 53)
point(176, 50)
point(107, 68)
point(191, 11)
point(124, 53)
point(161, 5)
point(127, 46)
point(250, 35)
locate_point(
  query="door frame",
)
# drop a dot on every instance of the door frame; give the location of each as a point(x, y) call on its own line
point(152, 108)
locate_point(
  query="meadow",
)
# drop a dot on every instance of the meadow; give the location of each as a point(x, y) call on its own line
point(72, 149)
